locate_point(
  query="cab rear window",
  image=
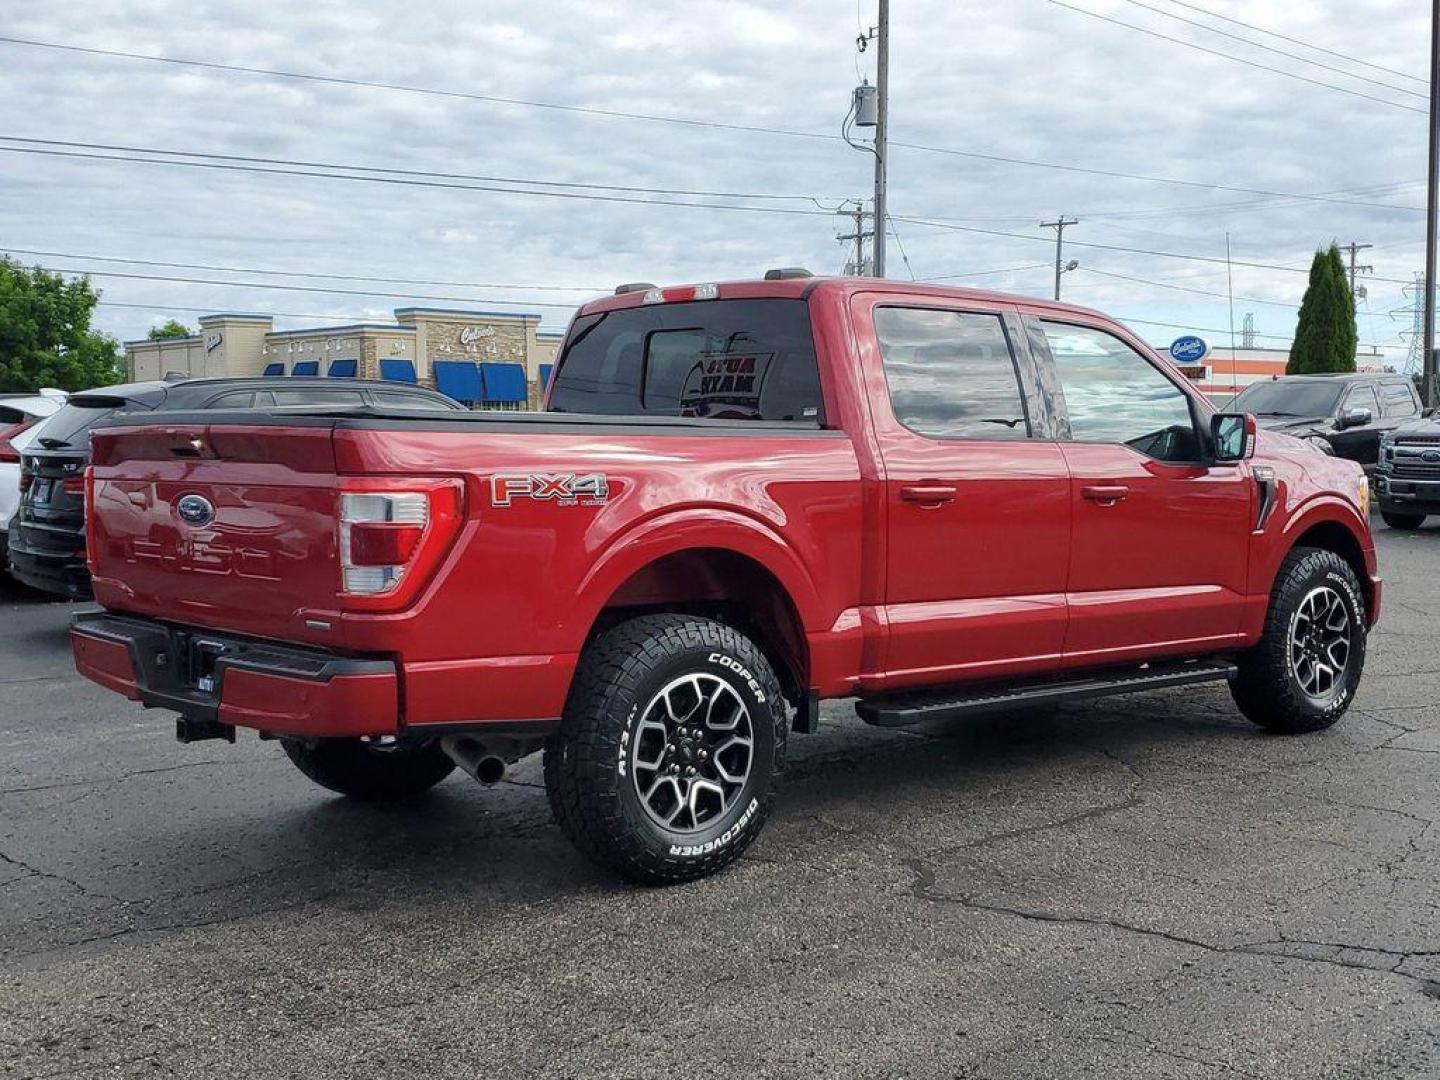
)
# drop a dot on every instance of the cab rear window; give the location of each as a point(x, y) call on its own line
point(718, 359)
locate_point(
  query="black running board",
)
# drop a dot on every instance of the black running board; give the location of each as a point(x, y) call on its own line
point(901, 710)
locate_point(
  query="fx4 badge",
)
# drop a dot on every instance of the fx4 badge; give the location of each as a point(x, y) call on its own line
point(565, 489)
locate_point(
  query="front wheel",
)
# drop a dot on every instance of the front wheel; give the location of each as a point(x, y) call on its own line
point(673, 739)
point(1402, 521)
point(1303, 674)
point(372, 770)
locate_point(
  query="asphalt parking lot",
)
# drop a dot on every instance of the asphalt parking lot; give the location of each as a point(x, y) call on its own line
point(1143, 887)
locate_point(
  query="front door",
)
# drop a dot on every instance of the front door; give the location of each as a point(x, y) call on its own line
point(976, 495)
point(1159, 560)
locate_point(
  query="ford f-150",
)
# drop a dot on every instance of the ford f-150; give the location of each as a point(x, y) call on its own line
point(740, 499)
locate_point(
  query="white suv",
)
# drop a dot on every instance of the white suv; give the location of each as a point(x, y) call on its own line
point(20, 417)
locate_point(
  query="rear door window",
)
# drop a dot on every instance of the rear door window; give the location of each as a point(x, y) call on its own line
point(236, 399)
point(719, 359)
point(951, 373)
point(1399, 400)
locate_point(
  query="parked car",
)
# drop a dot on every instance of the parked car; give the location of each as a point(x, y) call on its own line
point(1343, 414)
point(1407, 479)
point(743, 498)
point(47, 538)
point(20, 415)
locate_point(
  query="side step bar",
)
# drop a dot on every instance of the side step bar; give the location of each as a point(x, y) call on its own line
point(901, 710)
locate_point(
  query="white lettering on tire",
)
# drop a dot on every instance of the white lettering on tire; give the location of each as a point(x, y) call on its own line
point(741, 670)
point(689, 850)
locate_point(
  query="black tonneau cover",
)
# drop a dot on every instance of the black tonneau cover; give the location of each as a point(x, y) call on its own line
point(374, 417)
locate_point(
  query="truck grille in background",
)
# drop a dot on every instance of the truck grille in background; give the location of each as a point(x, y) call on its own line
point(1408, 462)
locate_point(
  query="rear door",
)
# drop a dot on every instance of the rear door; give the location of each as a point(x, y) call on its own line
point(1159, 558)
point(976, 493)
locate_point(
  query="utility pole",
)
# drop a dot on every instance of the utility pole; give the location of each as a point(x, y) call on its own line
point(859, 264)
point(882, 89)
point(1059, 227)
point(1354, 249)
point(1432, 203)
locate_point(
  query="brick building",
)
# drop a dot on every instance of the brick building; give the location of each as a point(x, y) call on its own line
point(440, 347)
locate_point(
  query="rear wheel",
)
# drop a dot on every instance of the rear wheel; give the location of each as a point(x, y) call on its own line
point(1402, 521)
point(666, 761)
point(1303, 674)
point(373, 770)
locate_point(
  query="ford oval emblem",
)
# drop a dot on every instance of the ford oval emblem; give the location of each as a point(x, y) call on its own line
point(195, 510)
point(1432, 456)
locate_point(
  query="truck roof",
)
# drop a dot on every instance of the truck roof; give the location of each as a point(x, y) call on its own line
point(798, 288)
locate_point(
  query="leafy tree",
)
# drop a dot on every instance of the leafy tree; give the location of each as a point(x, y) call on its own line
point(171, 329)
point(45, 335)
point(1325, 333)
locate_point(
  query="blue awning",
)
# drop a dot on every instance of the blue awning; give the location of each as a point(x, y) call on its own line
point(397, 370)
point(343, 369)
point(504, 382)
point(545, 370)
point(306, 367)
point(459, 379)
point(274, 369)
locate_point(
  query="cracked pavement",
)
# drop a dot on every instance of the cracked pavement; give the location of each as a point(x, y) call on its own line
point(1140, 887)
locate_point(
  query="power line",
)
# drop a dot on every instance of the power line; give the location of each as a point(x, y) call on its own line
point(652, 118)
point(987, 273)
point(1186, 288)
point(1298, 41)
point(428, 173)
point(302, 273)
point(934, 224)
point(1272, 49)
point(167, 308)
point(1237, 59)
point(395, 180)
point(91, 272)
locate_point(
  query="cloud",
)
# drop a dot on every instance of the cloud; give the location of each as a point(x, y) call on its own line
point(1027, 79)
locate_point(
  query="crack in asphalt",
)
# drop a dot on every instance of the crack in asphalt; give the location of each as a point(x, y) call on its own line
point(48, 875)
point(121, 777)
point(1318, 952)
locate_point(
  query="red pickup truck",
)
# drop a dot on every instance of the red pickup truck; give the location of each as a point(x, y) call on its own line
point(740, 499)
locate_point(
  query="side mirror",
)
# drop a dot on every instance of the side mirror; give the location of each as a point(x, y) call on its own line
point(1355, 418)
point(1232, 435)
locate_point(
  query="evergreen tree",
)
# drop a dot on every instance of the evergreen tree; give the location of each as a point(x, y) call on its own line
point(1325, 333)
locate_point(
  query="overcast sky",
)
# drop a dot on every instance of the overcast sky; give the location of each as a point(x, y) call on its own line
point(1025, 79)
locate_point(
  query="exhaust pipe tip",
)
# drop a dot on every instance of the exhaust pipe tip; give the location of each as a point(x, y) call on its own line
point(490, 769)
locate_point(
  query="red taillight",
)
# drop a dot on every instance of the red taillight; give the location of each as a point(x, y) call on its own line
point(89, 481)
point(73, 485)
point(8, 454)
point(392, 539)
point(382, 544)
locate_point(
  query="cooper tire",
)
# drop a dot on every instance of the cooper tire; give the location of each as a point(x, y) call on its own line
point(371, 771)
point(617, 766)
point(1404, 522)
point(1282, 684)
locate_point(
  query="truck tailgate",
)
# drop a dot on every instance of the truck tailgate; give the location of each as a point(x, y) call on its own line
point(225, 526)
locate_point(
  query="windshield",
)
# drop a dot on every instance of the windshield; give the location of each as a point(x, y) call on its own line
point(723, 359)
point(1289, 398)
point(69, 426)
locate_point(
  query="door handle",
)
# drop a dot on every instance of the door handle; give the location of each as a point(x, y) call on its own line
point(933, 494)
point(1105, 494)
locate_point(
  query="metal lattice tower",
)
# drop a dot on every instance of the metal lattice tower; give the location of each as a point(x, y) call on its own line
point(1415, 308)
point(1247, 331)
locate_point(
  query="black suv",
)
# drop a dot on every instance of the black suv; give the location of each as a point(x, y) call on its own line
point(47, 534)
point(1345, 415)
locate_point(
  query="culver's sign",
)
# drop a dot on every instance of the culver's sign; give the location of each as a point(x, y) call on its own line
point(1189, 349)
point(472, 334)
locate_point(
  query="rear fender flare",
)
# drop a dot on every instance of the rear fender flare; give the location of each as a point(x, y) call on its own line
point(692, 529)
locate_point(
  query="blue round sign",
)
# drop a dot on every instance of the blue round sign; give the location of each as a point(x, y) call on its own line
point(1189, 349)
